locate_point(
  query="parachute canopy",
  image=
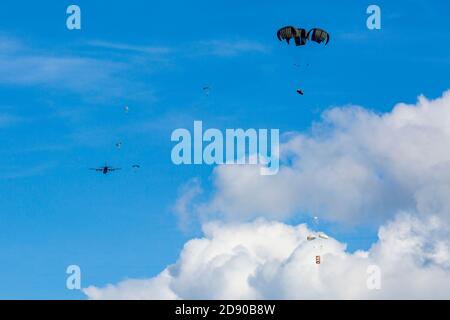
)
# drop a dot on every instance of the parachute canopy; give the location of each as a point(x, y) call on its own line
point(323, 236)
point(318, 35)
point(301, 36)
point(207, 90)
point(289, 32)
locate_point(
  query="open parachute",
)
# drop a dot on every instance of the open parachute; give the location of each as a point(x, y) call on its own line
point(300, 35)
point(289, 32)
point(318, 35)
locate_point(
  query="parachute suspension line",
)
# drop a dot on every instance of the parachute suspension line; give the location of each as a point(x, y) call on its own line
point(301, 37)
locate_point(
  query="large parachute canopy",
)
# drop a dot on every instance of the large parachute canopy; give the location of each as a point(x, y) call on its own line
point(289, 32)
point(318, 35)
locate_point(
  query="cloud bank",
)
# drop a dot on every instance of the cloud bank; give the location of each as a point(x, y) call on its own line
point(271, 260)
point(354, 167)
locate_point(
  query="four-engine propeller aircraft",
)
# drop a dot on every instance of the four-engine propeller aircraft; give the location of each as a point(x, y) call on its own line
point(105, 169)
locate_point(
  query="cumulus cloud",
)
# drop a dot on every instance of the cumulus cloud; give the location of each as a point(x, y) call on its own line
point(272, 260)
point(152, 289)
point(354, 166)
point(183, 205)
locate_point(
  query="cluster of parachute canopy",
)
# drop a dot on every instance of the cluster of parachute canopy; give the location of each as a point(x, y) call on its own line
point(300, 35)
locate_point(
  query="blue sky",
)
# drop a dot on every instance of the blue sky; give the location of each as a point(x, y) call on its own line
point(61, 112)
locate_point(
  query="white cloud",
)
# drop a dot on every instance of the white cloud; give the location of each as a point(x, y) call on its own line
point(156, 288)
point(228, 48)
point(355, 166)
point(218, 48)
point(269, 260)
point(182, 207)
point(153, 50)
point(62, 72)
point(22, 65)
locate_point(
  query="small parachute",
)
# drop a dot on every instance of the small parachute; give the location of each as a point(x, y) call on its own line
point(323, 236)
point(316, 221)
point(287, 33)
point(207, 90)
point(136, 167)
point(318, 35)
point(119, 145)
point(317, 244)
